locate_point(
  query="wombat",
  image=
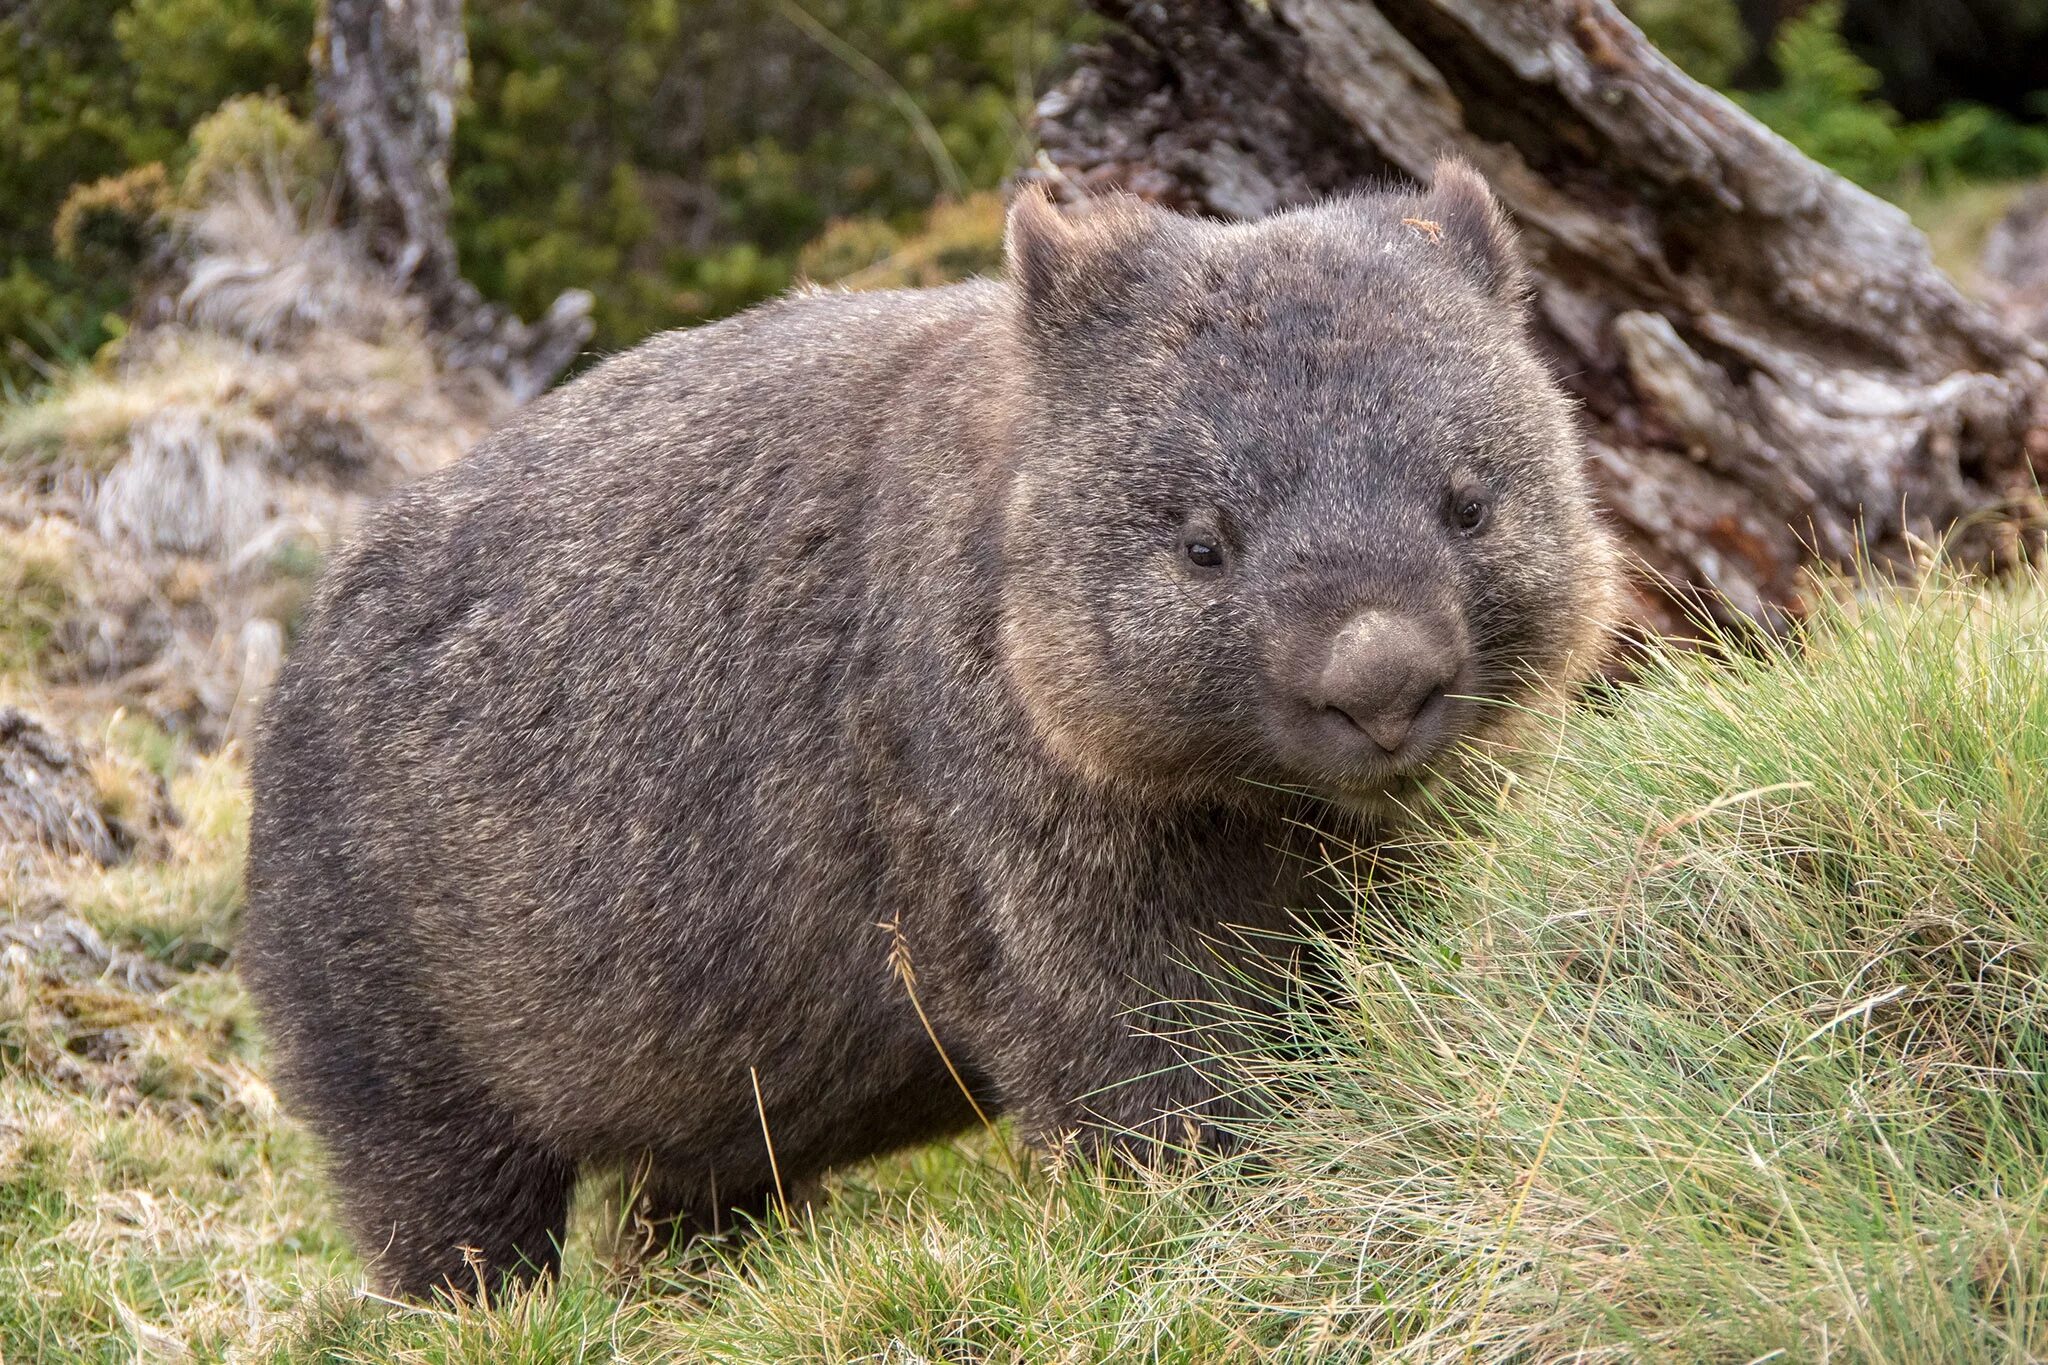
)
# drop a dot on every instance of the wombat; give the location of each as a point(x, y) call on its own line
point(801, 724)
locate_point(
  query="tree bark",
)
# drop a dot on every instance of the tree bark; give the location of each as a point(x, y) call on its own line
point(390, 74)
point(1771, 369)
point(2015, 263)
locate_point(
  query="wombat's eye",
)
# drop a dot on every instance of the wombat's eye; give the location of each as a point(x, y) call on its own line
point(1203, 551)
point(1471, 509)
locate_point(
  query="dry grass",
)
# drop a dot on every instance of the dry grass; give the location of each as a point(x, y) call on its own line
point(151, 1199)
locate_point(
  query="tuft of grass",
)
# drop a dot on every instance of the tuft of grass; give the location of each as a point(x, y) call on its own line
point(957, 238)
point(87, 414)
point(957, 1255)
point(39, 582)
point(181, 910)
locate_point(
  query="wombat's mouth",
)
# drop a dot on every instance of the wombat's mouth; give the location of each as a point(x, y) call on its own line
point(1330, 755)
point(1331, 745)
point(1418, 795)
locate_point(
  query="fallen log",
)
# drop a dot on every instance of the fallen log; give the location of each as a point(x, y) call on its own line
point(1772, 371)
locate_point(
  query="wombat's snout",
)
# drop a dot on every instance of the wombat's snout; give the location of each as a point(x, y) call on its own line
point(1386, 678)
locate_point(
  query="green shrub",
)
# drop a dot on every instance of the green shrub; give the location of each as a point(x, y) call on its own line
point(255, 136)
point(110, 225)
point(94, 89)
point(673, 156)
point(1825, 101)
point(1825, 106)
point(676, 158)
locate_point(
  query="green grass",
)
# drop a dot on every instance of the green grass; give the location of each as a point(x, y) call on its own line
point(1723, 1033)
point(1729, 1037)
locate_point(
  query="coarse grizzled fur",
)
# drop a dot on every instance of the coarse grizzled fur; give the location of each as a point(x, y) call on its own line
point(1012, 626)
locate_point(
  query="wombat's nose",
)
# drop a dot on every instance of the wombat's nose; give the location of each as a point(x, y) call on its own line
point(1387, 674)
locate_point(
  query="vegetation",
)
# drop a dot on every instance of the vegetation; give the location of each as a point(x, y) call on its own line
point(1724, 1034)
point(679, 156)
point(1825, 105)
point(1825, 101)
point(673, 156)
point(1720, 1032)
point(96, 90)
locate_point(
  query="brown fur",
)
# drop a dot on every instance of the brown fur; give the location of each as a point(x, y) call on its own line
point(606, 752)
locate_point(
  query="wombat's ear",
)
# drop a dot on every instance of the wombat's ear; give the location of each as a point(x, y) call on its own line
point(1078, 264)
point(1463, 210)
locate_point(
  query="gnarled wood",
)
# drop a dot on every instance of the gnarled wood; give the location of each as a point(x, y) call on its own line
point(1772, 369)
point(390, 75)
point(2015, 262)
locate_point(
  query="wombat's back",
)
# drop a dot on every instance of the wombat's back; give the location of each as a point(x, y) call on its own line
point(577, 753)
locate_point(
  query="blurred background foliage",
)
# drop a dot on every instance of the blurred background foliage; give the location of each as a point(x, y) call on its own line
point(676, 157)
point(1832, 99)
point(685, 158)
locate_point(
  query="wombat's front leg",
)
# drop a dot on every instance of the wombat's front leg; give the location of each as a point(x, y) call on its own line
point(1115, 1042)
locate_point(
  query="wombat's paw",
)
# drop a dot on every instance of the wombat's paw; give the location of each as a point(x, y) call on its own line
point(1169, 1140)
point(1173, 1140)
point(422, 1274)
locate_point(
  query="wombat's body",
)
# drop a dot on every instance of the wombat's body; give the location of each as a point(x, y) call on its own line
point(617, 761)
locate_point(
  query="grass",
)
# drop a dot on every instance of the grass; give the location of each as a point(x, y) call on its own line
point(1722, 1036)
point(38, 582)
point(1729, 1038)
point(87, 414)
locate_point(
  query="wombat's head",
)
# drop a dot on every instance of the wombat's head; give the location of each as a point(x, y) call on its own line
point(1295, 501)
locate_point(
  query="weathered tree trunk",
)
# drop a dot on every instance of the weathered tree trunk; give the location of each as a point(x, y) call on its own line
point(2015, 263)
point(1771, 368)
point(390, 75)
